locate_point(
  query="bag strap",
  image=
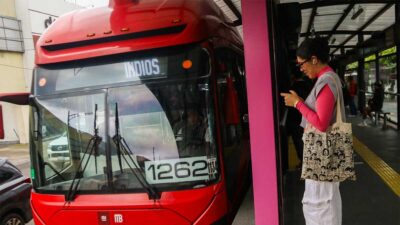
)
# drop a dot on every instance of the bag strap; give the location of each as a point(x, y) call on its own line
point(338, 101)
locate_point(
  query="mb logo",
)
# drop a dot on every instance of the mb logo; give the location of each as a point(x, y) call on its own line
point(118, 218)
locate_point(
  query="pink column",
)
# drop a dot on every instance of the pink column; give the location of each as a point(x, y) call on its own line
point(259, 90)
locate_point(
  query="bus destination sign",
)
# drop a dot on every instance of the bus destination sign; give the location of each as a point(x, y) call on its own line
point(146, 68)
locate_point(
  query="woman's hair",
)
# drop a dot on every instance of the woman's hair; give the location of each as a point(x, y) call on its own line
point(317, 47)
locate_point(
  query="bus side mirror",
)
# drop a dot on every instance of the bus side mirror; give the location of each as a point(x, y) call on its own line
point(14, 98)
point(21, 98)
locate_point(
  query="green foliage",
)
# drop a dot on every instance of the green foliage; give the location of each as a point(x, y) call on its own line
point(370, 58)
point(352, 66)
point(388, 51)
point(388, 62)
point(385, 62)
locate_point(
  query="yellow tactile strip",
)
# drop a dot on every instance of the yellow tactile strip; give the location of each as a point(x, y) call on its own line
point(388, 175)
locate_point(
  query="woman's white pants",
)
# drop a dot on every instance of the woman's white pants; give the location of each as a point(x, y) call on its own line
point(322, 204)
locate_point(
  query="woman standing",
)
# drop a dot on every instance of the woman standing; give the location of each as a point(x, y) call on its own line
point(322, 203)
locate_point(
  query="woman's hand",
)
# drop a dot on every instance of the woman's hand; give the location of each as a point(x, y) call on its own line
point(291, 99)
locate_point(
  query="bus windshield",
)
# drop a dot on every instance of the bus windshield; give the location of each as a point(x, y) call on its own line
point(161, 131)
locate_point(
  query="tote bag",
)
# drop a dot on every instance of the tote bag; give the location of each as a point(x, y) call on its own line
point(328, 156)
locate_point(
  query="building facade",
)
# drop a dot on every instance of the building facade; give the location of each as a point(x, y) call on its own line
point(21, 24)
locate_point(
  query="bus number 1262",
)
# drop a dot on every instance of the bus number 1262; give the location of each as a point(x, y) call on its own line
point(179, 170)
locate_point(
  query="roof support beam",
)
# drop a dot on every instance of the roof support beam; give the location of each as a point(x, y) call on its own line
point(344, 15)
point(311, 5)
point(311, 21)
point(373, 18)
point(341, 46)
point(235, 11)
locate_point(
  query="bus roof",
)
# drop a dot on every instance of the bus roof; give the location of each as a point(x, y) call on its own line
point(132, 25)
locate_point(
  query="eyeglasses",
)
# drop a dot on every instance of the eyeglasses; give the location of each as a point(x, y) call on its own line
point(302, 63)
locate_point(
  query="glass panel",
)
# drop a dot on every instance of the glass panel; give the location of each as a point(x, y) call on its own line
point(68, 135)
point(369, 10)
point(387, 70)
point(10, 23)
point(388, 76)
point(5, 175)
point(146, 67)
point(3, 44)
point(383, 21)
point(1, 22)
point(2, 33)
point(13, 35)
point(14, 46)
point(390, 105)
point(369, 77)
point(167, 131)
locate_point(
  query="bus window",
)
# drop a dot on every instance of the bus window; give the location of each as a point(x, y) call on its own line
point(234, 130)
point(232, 93)
point(70, 123)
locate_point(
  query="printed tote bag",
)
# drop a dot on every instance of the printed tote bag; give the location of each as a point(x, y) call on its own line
point(328, 156)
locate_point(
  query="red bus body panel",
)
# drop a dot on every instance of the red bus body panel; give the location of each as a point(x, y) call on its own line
point(202, 20)
point(178, 207)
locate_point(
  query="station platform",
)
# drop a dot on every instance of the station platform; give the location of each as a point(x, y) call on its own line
point(374, 198)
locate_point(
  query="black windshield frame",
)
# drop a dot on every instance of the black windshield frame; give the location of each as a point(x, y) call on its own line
point(162, 187)
point(95, 89)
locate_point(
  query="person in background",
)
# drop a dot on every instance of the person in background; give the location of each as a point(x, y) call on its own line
point(352, 87)
point(302, 86)
point(374, 104)
point(192, 135)
point(322, 204)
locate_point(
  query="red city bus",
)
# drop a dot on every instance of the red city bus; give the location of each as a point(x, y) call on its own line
point(139, 116)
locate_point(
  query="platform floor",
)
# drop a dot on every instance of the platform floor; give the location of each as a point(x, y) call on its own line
point(374, 199)
point(245, 215)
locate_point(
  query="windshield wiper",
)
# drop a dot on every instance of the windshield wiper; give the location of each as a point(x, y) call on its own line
point(123, 150)
point(92, 147)
point(54, 170)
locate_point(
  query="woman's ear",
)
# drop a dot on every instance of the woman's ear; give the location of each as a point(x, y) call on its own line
point(314, 60)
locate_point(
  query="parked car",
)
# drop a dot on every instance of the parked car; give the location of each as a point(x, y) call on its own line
point(15, 192)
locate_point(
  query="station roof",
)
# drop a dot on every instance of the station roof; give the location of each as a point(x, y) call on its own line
point(341, 21)
point(233, 10)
